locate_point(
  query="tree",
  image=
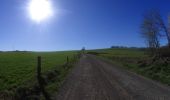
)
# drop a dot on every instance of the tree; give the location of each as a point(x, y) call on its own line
point(162, 25)
point(151, 28)
point(83, 50)
point(168, 31)
point(153, 21)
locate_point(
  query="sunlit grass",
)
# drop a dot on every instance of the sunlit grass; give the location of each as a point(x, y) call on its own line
point(17, 68)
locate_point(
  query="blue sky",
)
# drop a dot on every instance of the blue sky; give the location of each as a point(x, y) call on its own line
point(76, 23)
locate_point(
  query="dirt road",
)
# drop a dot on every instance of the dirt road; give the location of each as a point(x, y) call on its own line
point(96, 79)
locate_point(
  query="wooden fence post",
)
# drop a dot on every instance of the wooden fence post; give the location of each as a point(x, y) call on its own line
point(41, 80)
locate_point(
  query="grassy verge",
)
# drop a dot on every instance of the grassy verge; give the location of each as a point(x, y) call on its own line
point(137, 61)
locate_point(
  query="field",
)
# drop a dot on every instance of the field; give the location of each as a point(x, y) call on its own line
point(138, 61)
point(121, 52)
point(19, 68)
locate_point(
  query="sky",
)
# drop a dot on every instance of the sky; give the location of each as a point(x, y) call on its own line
point(76, 23)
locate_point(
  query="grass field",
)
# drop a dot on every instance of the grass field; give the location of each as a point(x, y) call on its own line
point(139, 62)
point(121, 52)
point(19, 68)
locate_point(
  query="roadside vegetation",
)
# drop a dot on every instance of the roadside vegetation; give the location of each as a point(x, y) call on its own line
point(137, 60)
point(18, 73)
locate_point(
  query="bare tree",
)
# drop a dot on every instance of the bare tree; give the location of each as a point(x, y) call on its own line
point(151, 30)
point(168, 31)
point(163, 27)
point(83, 50)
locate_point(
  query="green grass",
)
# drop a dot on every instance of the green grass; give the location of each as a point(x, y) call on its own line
point(121, 52)
point(19, 68)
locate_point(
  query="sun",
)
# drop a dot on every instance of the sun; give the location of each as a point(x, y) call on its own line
point(40, 10)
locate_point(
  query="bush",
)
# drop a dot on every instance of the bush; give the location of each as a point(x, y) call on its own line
point(165, 52)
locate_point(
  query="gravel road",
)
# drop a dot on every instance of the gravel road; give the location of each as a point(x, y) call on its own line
point(95, 79)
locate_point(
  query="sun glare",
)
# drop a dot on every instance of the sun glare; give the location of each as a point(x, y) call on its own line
point(40, 10)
